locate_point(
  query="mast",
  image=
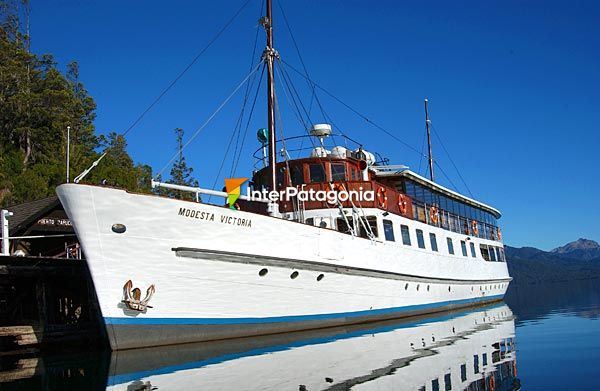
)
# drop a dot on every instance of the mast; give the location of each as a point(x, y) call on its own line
point(427, 123)
point(269, 56)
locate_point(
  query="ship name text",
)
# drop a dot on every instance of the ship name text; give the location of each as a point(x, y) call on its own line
point(209, 216)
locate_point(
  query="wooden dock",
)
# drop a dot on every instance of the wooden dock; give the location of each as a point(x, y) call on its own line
point(47, 303)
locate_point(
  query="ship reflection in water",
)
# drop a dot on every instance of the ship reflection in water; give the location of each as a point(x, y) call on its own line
point(472, 350)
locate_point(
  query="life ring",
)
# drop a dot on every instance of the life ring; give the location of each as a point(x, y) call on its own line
point(433, 215)
point(474, 227)
point(382, 198)
point(499, 234)
point(402, 204)
point(492, 383)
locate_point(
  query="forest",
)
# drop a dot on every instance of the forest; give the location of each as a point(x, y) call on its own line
point(37, 104)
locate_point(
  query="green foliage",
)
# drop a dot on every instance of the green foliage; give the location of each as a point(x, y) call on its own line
point(180, 173)
point(37, 103)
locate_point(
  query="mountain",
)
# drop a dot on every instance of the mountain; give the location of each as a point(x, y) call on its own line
point(582, 249)
point(529, 265)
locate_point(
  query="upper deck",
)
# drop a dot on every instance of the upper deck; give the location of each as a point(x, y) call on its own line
point(398, 190)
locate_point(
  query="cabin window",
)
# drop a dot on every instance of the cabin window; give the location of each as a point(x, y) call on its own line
point(450, 246)
point(492, 253)
point(317, 173)
point(342, 226)
point(447, 382)
point(338, 172)
point(421, 213)
point(369, 222)
point(281, 177)
point(420, 240)
point(476, 363)
point(354, 174)
point(484, 252)
point(405, 235)
point(463, 246)
point(433, 241)
point(484, 360)
point(463, 372)
point(501, 256)
point(435, 385)
point(388, 230)
point(473, 254)
point(297, 175)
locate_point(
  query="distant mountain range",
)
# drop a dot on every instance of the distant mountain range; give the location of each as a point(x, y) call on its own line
point(581, 249)
point(578, 260)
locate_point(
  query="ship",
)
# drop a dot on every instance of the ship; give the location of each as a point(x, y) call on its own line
point(331, 238)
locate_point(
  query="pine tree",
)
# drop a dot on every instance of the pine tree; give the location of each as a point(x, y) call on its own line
point(37, 103)
point(180, 173)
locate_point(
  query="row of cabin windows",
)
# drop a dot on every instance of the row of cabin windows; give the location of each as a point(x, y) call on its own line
point(489, 253)
point(317, 173)
point(366, 227)
point(447, 220)
point(431, 197)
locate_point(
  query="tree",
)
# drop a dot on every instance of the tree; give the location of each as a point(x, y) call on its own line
point(37, 103)
point(180, 173)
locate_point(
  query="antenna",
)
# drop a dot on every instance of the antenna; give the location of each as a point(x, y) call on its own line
point(68, 150)
point(427, 123)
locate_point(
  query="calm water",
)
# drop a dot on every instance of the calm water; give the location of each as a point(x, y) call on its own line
point(543, 338)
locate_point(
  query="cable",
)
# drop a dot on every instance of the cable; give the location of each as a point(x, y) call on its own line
point(187, 68)
point(310, 83)
point(452, 161)
point(246, 95)
point(237, 161)
point(210, 118)
point(358, 113)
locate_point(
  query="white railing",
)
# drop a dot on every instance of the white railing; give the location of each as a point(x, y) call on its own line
point(199, 190)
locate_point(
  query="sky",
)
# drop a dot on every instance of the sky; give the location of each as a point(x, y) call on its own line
point(513, 89)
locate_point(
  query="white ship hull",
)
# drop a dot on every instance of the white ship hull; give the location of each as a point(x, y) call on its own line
point(204, 262)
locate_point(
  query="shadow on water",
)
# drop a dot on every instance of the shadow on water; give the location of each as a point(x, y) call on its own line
point(470, 349)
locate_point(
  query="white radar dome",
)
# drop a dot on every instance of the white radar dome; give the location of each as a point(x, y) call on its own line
point(320, 130)
point(319, 152)
point(338, 152)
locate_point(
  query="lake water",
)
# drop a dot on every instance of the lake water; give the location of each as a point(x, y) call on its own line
point(544, 337)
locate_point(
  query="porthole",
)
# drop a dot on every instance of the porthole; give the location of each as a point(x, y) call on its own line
point(427, 288)
point(471, 289)
point(294, 275)
point(320, 277)
point(449, 288)
point(118, 228)
point(263, 272)
point(406, 286)
point(418, 286)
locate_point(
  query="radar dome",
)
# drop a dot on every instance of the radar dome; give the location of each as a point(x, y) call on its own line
point(319, 152)
point(338, 152)
point(320, 130)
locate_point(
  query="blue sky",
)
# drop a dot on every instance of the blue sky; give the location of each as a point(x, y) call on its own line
point(513, 89)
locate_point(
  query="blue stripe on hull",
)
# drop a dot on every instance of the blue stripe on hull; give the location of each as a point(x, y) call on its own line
point(292, 318)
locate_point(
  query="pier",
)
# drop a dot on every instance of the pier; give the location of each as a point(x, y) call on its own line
point(47, 303)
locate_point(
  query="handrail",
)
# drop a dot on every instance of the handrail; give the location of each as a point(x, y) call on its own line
point(199, 190)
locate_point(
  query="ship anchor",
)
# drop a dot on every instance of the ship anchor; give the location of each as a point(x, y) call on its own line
point(132, 297)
